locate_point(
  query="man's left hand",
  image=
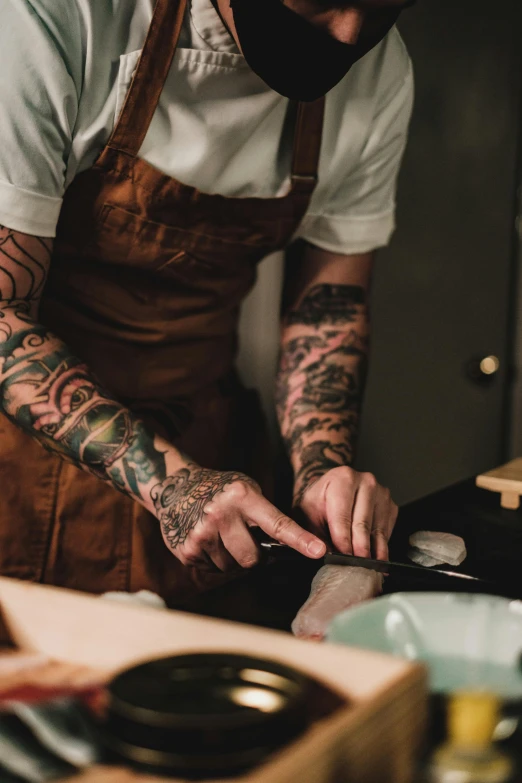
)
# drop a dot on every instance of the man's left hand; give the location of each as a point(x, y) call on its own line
point(352, 510)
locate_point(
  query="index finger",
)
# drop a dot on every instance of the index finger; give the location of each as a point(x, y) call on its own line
point(283, 529)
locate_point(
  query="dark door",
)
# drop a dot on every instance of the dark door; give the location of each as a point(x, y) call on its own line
point(443, 290)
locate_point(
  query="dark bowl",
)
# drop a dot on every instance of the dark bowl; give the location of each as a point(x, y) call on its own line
point(208, 714)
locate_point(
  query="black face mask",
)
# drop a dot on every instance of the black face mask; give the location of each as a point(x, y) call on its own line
point(294, 57)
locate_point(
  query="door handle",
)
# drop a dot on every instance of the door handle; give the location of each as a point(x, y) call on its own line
point(483, 369)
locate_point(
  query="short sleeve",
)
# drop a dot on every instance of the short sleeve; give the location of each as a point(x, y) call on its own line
point(355, 212)
point(39, 100)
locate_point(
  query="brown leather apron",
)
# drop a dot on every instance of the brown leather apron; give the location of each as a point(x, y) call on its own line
point(146, 282)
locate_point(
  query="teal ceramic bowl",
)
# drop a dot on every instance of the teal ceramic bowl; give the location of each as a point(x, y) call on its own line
point(467, 641)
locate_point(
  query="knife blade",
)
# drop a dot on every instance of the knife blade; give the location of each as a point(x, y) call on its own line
point(391, 567)
point(274, 548)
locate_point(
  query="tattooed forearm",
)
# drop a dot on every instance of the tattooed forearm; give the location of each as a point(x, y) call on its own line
point(321, 378)
point(331, 383)
point(53, 395)
point(328, 304)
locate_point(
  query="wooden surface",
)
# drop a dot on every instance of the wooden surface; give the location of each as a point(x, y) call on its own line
point(506, 480)
point(374, 735)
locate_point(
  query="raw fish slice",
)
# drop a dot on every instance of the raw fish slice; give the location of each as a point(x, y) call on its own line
point(442, 546)
point(334, 589)
point(422, 559)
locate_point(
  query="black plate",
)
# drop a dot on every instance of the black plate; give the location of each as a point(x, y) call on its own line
point(200, 715)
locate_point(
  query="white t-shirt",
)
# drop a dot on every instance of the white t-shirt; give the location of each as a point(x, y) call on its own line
point(66, 65)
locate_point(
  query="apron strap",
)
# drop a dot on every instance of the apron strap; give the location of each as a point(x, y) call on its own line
point(307, 145)
point(150, 75)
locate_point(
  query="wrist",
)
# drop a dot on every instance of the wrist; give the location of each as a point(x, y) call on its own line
point(151, 462)
point(320, 458)
point(301, 486)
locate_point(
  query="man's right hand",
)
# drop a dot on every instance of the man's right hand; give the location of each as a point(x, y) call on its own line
point(205, 517)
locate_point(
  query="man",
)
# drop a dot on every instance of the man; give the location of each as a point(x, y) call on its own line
point(149, 159)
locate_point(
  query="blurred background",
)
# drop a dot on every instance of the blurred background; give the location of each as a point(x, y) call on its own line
point(444, 397)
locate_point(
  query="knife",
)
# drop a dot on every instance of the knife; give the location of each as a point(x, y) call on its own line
point(277, 550)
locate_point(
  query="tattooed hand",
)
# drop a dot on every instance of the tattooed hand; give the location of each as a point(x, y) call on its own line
point(205, 517)
point(351, 509)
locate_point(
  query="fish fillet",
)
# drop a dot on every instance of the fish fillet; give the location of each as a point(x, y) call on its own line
point(334, 589)
point(444, 547)
point(422, 559)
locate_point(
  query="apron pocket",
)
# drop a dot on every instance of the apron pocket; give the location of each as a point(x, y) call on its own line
point(127, 238)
